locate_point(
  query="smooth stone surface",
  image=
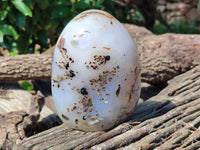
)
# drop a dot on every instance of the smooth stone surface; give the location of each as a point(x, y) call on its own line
point(95, 72)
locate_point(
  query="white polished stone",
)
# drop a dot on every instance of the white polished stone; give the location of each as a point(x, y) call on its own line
point(95, 72)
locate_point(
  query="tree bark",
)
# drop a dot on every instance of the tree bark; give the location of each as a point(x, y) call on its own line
point(16, 125)
point(24, 67)
point(169, 120)
point(22, 115)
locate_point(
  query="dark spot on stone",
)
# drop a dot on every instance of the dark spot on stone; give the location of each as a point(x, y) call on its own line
point(84, 117)
point(84, 91)
point(71, 73)
point(76, 121)
point(67, 66)
point(118, 90)
point(64, 117)
point(65, 49)
point(107, 58)
point(70, 59)
point(111, 22)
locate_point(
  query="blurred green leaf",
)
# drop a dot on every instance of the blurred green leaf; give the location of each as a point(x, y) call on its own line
point(27, 86)
point(4, 13)
point(83, 4)
point(13, 53)
point(23, 43)
point(184, 27)
point(36, 17)
point(22, 7)
point(1, 36)
point(42, 38)
point(20, 20)
point(98, 4)
point(137, 17)
point(29, 3)
point(9, 30)
point(11, 18)
point(159, 29)
point(60, 11)
point(43, 4)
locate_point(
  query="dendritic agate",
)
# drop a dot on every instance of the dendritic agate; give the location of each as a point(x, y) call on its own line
point(95, 72)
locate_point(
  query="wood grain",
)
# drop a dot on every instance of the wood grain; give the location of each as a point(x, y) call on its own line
point(169, 120)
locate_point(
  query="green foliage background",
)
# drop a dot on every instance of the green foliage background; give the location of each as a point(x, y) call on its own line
point(23, 24)
point(27, 23)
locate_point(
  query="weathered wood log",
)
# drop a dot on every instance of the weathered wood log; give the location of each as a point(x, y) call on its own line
point(165, 56)
point(169, 120)
point(22, 115)
point(18, 124)
point(14, 98)
point(23, 67)
point(162, 58)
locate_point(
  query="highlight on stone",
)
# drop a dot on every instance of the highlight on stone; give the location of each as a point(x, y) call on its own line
point(95, 72)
